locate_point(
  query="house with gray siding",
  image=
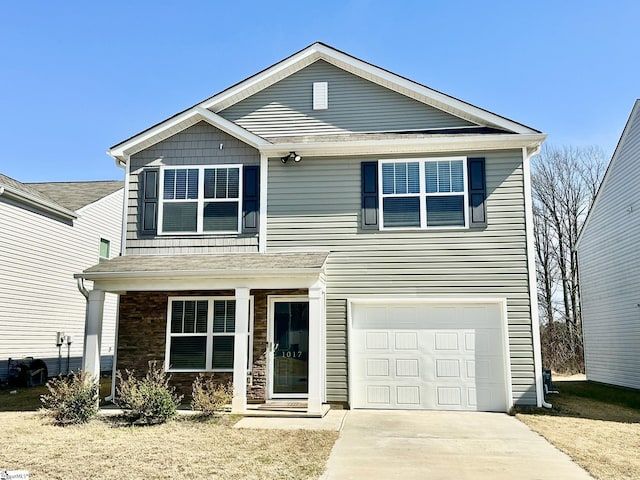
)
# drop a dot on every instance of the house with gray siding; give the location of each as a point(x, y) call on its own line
point(609, 267)
point(49, 232)
point(326, 231)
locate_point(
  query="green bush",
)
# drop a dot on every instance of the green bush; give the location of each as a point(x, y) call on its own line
point(210, 397)
point(149, 400)
point(72, 399)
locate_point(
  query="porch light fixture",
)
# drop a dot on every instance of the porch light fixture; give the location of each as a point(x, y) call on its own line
point(292, 156)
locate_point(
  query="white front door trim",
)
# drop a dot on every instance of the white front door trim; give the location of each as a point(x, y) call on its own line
point(272, 299)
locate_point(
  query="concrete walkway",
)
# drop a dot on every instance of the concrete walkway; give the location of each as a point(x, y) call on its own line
point(444, 445)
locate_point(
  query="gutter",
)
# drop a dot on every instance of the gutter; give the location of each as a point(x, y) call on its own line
point(284, 272)
point(38, 203)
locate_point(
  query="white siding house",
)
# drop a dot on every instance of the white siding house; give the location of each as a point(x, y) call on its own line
point(609, 264)
point(49, 231)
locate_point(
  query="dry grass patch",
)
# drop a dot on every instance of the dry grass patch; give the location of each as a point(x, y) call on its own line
point(602, 435)
point(184, 448)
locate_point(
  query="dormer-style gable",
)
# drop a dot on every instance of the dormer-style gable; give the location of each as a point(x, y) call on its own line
point(335, 103)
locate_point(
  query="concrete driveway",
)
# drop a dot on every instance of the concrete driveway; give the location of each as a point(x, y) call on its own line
point(444, 445)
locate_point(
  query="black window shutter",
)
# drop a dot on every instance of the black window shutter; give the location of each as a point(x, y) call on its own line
point(250, 199)
point(369, 187)
point(477, 192)
point(149, 220)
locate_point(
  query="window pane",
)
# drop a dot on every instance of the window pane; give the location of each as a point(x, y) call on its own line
point(457, 176)
point(231, 316)
point(221, 183)
point(189, 317)
point(401, 212)
point(219, 316)
point(169, 183)
point(224, 316)
point(401, 177)
point(387, 178)
point(234, 183)
point(444, 177)
point(176, 316)
point(188, 352)
point(180, 217)
point(445, 211)
point(223, 352)
point(104, 248)
point(192, 183)
point(220, 217)
point(431, 174)
point(209, 183)
point(201, 316)
point(413, 175)
point(181, 184)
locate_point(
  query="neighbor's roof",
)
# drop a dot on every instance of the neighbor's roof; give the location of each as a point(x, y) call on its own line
point(75, 195)
point(211, 265)
point(28, 195)
point(208, 110)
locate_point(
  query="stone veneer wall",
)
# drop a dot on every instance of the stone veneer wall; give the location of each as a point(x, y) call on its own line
point(142, 336)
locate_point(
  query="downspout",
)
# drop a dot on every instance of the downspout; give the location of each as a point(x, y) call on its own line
point(81, 287)
point(531, 266)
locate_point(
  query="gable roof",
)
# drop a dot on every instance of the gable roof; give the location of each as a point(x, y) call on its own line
point(634, 118)
point(32, 197)
point(208, 109)
point(75, 195)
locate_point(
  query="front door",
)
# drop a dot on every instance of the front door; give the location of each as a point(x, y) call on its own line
point(290, 348)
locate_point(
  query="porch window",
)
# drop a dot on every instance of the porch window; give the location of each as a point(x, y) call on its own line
point(201, 334)
point(201, 199)
point(423, 193)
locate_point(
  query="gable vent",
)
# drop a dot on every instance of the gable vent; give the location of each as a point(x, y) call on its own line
point(320, 95)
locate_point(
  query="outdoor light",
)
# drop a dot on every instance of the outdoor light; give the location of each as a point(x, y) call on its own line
point(292, 156)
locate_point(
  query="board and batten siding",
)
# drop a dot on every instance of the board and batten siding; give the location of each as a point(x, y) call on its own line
point(315, 205)
point(355, 105)
point(196, 145)
point(38, 295)
point(609, 265)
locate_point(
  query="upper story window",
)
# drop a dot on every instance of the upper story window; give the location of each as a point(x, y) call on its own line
point(200, 199)
point(423, 193)
point(105, 248)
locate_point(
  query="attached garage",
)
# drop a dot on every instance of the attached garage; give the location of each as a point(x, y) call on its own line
point(426, 355)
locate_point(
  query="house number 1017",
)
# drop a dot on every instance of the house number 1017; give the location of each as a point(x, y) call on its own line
point(290, 354)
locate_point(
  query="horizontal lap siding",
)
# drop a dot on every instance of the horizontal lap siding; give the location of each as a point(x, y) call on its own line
point(38, 294)
point(315, 205)
point(609, 271)
point(355, 105)
point(197, 145)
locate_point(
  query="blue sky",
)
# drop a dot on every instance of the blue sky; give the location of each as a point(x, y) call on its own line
point(77, 77)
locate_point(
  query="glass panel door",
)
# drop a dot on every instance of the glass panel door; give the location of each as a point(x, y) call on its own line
point(291, 347)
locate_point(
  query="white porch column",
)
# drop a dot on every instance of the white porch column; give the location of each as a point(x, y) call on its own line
point(93, 333)
point(316, 360)
point(239, 402)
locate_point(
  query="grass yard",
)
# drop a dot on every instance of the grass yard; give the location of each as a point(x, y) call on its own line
point(186, 448)
point(596, 425)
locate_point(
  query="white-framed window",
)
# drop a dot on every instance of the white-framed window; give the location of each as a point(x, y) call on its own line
point(105, 249)
point(200, 199)
point(423, 193)
point(201, 334)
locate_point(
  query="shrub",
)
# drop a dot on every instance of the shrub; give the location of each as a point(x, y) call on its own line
point(210, 397)
point(72, 399)
point(149, 400)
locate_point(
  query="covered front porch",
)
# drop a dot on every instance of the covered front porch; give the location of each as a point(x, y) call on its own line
point(255, 319)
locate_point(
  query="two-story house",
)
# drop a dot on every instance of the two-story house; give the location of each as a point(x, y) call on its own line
point(328, 231)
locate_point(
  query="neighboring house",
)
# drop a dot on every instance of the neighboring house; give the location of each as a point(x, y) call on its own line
point(609, 266)
point(329, 231)
point(49, 232)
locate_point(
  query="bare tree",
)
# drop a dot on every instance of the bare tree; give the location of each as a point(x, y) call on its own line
point(564, 183)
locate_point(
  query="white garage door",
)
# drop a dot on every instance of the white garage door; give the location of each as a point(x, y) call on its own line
point(428, 356)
